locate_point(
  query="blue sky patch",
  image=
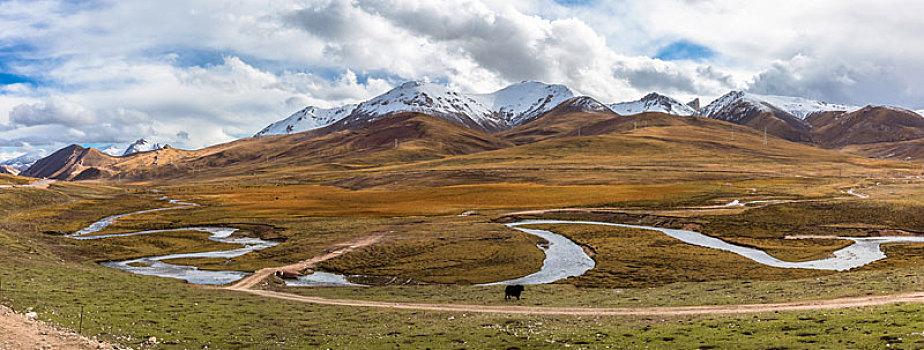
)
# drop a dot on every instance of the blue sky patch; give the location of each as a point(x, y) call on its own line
point(7, 79)
point(192, 57)
point(684, 50)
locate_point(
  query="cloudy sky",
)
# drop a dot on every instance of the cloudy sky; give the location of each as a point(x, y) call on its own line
point(198, 72)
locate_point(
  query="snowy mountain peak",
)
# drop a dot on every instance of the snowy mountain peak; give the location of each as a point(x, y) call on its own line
point(583, 104)
point(723, 102)
point(653, 102)
point(24, 161)
point(308, 118)
point(796, 106)
point(525, 101)
point(694, 104)
point(502, 109)
point(429, 98)
point(142, 145)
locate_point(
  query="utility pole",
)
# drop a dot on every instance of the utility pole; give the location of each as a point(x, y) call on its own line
point(765, 135)
point(80, 326)
point(733, 134)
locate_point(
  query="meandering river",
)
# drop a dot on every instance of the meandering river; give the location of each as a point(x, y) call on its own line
point(564, 258)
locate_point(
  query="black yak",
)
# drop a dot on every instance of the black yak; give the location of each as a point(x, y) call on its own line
point(513, 291)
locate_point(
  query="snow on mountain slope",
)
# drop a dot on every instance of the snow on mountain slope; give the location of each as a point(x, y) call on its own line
point(113, 150)
point(796, 106)
point(24, 161)
point(502, 109)
point(802, 107)
point(584, 104)
point(653, 102)
point(306, 119)
point(428, 98)
point(142, 145)
point(525, 101)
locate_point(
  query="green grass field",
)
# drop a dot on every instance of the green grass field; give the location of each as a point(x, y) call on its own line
point(423, 240)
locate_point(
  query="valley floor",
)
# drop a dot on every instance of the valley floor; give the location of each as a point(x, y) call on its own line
point(646, 291)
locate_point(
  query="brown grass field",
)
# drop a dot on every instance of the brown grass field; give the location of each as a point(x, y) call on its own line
point(666, 173)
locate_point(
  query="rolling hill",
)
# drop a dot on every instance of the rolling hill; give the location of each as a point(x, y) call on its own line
point(868, 125)
point(421, 124)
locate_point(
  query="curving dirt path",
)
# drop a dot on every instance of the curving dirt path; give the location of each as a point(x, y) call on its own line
point(828, 304)
point(43, 184)
point(840, 303)
point(258, 276)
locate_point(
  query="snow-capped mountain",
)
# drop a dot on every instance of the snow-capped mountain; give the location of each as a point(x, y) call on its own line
point(798, 107)
point(653, 102)
point(142, 145)
point(525, 101)
point(502, 109)
point(433, 99)
point(306, 119)
point(113, 150)
point(747, 109)
point(583, 104)
point(24, 161)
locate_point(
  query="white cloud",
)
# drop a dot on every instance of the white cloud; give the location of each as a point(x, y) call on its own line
point(53, 110)
point(196, 72)
point(479, 48)
point(186, 107)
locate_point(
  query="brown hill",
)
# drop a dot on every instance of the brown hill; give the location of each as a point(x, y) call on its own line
point(6, 169)
point(393, 139)
point(568, 119)
point(776, 123)
point(398, 138)
point(80, 163)
point(736, 108)
point(647, 148)
point(68, 162)
point(904, 150)
point(866, 126)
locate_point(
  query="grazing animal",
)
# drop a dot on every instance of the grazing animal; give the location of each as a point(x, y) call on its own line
point(513, 291)
point(284, 274)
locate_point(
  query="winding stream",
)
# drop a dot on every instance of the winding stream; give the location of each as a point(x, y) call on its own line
point(154, 265)
point(863, 251)
point(564, 258)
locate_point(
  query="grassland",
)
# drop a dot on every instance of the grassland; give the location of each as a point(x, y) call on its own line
point(627, 258)
point(129, 309)
point(8, 180)
point(639, 175)
point(424, 241)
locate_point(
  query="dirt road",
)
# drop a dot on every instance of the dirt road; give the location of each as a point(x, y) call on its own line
point(250, 281)
point(245, 285)
point(43, 184)
point(829, 304)
point(20, 332)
